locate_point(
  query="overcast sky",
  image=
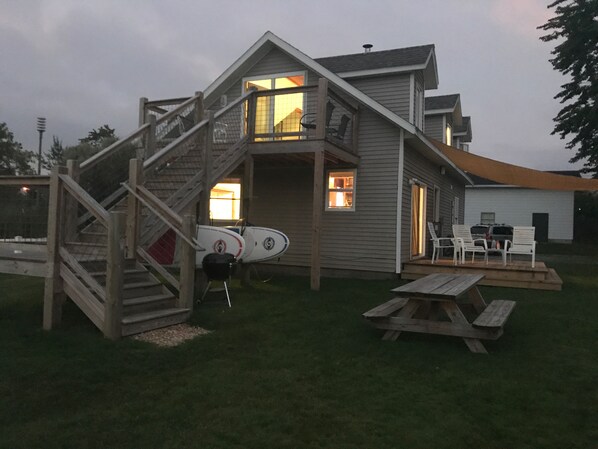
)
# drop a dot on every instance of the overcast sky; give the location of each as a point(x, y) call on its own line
point(84, 63)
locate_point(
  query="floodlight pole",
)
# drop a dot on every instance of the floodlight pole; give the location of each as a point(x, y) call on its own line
point(41, 127)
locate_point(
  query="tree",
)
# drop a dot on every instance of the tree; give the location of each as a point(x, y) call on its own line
point(98, 137)
point(56, 155)
point(13, 159)
point(575, 28)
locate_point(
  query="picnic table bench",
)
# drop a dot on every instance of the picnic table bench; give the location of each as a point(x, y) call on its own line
point(419, 307)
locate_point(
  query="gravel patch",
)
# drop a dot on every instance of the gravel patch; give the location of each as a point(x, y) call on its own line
point(171, 336)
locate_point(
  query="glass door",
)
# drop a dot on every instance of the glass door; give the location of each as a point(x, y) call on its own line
point(418, 219)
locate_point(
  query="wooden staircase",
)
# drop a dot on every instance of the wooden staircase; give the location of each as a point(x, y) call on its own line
point(123, 296)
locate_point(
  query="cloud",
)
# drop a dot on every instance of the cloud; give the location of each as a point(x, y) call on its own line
point(521, 17)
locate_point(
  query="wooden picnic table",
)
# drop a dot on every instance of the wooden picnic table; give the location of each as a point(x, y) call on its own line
point(435, 304)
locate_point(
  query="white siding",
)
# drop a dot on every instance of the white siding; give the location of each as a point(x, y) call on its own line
point(515, 206)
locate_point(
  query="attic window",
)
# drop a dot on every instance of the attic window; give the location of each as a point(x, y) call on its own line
point(449, 135)
point(340, 190)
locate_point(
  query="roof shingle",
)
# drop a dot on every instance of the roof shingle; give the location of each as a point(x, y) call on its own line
point(441, 102)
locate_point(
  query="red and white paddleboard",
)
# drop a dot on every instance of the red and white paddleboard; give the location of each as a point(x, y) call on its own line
point(218, 240)
point(261, 244)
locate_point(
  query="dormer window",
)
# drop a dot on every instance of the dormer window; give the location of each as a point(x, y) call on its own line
point(449, 135)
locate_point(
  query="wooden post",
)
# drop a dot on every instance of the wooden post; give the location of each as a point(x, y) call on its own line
point(53, 291)
point(133, 208)
point(321, 108)
point(247, 186)
point(150, 141)
point(142, 110)
point(204, 202)
point(187, 273)
point(251, 110)
point(71, 205)
point(114, 277)
point(318, 205)
point(198, 114)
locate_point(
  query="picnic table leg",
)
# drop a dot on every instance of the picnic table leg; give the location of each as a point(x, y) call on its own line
point(407, 311)
point(457, 317)
point(477, 300)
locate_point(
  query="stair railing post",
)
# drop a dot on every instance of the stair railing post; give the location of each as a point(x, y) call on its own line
point(142, 110)
point(204, 202)
point(187, 273)
point(198, 113)
point(321, 108)
point(134, 217)
point(251, 106)
point(113, 306)
point(71, 205)
point(53, 289)
point(150, 140)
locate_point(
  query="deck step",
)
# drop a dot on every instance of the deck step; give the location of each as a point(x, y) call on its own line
point(142, 288)
point(147, 321)
point(496, 314)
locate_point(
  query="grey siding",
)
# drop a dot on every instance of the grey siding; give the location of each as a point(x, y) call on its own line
point(416, 166)
point(433, 127)
point(361, 240)
point(393, 92)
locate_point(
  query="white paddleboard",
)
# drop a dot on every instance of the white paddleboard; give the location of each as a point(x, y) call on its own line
point(261, 244)
point(218, 240)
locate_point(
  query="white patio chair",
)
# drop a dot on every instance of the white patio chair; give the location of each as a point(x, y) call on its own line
point(440, 243)
point(523, 243)
point(464, 243)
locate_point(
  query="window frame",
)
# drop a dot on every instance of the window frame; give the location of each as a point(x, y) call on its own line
point(353, 190)
point(482, 221)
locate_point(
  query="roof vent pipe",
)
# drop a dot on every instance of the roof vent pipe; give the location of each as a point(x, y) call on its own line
point(367, 48)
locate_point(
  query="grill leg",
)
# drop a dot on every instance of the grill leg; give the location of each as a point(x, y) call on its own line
point(205, 292)
point(227, 295)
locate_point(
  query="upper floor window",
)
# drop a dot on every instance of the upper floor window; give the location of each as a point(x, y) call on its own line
point(419, 107)
point(277, 114)
point(340, 190)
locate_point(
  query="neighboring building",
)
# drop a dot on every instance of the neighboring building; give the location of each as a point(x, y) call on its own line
point(550, 211)
point(444, 121)
point(383, 180)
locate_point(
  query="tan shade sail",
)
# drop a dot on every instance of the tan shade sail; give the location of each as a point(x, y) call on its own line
point(509, 174)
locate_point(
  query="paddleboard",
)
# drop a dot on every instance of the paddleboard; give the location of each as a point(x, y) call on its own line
point(218, 240)
point(261, 244)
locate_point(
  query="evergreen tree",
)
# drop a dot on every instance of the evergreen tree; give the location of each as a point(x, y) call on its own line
point(99, 137)
point(13, 159)
point(575, 28)
point(56, 155)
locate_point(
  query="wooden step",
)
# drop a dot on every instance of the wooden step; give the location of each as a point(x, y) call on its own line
point(147, 321)
point(142, 304)
point(130, 275)
point(93, 237)
point(143, 288)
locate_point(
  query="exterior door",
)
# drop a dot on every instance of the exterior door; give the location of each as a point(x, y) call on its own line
point(540, 222)
point(418, 220)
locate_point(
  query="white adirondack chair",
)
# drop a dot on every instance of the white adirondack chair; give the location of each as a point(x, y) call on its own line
point(464, 243)
point(523, 243)
point(440, 243)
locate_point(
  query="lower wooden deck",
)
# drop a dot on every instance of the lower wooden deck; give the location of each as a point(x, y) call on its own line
point(23, 258)
point(516, 274)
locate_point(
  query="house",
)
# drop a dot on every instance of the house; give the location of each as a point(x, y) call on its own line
point(551, 212)
point(354, 205)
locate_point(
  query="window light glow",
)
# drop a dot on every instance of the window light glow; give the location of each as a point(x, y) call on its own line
point(340, 190)
point(225, 201)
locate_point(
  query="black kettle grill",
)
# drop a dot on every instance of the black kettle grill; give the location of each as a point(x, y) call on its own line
point(218, 267)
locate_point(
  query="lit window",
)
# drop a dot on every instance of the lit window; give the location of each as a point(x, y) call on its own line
point(449, 135)
point(225, 201)
point(487, 217)
point(340, 190)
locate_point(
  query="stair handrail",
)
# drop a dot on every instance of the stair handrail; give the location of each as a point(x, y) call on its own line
point(106, 152)
point(164, 153)
point(85, 199)
point(178, 109)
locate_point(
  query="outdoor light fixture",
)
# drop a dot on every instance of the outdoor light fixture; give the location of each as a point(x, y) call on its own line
point(41, 127)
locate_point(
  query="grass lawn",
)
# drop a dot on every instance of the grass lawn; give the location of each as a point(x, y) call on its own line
point(291, 368)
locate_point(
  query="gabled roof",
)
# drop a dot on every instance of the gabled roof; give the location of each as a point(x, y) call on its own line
point(445, 104)
point(269, 41)
point(463, 130)
point(386, 61)
point(441, 103)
